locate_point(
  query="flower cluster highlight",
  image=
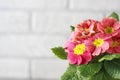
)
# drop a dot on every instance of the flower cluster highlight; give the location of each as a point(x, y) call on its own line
point(93, 50)
point(92, 38)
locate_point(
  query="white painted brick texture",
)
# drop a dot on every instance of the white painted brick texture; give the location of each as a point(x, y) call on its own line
point(97, 5)
point(14, 21)
point(29, 45)
point(33, 4)
point(59, 22)
point(14, 68)
point(29, 28)
point(48, 69)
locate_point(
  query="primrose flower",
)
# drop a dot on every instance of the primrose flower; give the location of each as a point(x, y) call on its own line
point(77, 54)
point(114, 46)
point(71, 40)
point(109, 26)
point(97, 44)
point(85, 29)
point(88, 27)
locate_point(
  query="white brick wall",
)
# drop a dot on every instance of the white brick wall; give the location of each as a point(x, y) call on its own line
point(48, 68)
point(14, 68)
point(33, 4)
point(29, 45)
point(95, 5)
point(14, 21)
point(62, 20)
point(29, 28)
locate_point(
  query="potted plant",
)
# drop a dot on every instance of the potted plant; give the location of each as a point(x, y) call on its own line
point(93, 50)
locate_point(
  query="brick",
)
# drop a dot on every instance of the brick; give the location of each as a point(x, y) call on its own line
point(33, 4)
point(14, 21)
point(48, 68)
point(29, 45)
point(14, 68)
point(95, 5)
point(59, 22)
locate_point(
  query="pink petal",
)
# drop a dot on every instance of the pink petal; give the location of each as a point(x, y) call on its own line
point(88, 42)
point(115, 33)
point(90, 48)
point(103, 36)
point(108, 22)
point(79, 60)
point(72, 58)
point(86, 57)
point(111, 50)
point(69, 46)
point(105, 46)
point(117, 49)
point(116, 26)
point(110, 41)
point(100, 28)
point(91, 27)
point(97, 51)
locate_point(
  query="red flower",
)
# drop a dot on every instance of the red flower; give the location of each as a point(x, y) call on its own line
point(109, 27)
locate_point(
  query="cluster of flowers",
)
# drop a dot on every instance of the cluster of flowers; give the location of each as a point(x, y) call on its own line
point(92, 38)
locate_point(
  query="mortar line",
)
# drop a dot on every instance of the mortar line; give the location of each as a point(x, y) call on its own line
point(29, 72)
point(54, 10)
point(68, 5)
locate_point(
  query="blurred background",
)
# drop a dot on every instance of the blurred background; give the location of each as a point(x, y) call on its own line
point(29, 28)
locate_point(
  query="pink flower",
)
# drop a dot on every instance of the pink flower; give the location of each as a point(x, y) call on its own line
point(88, 27)
point(77, 54)
point(114, 46)
point(109, 26)
point(85, 29)
point(97, 44)
point(70, 41)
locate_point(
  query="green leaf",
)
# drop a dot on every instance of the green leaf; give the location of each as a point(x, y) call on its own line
point(98, 76)
point(72, 28)
point(96, 59)
point(89, 69)
point(101, 75)
point(109, 57)
point(72, 73)
point(113, 68)
point(60, 52)
point(114, 15)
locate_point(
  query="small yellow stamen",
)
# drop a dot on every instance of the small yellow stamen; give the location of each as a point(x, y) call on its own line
point(79, 49)
point(86, 29)
point(98, 42)
point(109, 30)
point(115, 43)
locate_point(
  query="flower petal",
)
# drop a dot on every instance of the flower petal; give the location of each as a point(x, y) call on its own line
point(116, 26)
point(72, 58)
point(97, 51)
point(105, 46)
point(86, 57)
point(117, 49)
point(79, 60)
point(111, 50)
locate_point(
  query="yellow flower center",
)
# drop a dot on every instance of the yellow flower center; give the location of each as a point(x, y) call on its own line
point(98, 42)
point(109, 30)
point(79, 49)
point(115, 43)
point(86, 29)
